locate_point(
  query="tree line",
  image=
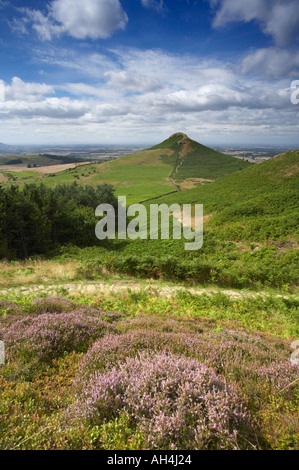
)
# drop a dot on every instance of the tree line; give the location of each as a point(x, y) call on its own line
point(37, 219)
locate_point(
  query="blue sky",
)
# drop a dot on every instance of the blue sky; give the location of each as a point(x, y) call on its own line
point(136, 71)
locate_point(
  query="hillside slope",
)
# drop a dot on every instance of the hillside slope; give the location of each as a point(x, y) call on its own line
point(260, 202)
point(251, 222)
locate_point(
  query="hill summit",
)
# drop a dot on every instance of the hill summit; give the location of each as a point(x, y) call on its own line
point(194, 163)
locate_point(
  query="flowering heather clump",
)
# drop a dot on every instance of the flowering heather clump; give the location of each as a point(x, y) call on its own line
point(61, 305)
point(177, 402)
point(49, 335)
point(108, 351)
point(280, 376)
point(223, 354)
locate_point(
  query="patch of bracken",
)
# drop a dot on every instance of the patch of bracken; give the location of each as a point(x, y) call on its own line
point(8, 306)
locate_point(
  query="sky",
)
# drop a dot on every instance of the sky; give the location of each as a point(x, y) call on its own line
point(225, 72)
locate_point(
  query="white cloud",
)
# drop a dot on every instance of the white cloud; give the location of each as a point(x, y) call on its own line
point(127, 82)
point(82, 89)
point(79, 19)
point(30, 100)
point(272, 63)
point(89, 18)
point(75, 62)
point(25, 91)
point(276, 18)
point(42, 24)
point(54, 108)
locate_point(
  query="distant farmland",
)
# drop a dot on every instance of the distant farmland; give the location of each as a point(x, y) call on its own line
point(43, 170)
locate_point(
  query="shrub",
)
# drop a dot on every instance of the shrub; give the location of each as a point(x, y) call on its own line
point(241, 357)
point(62, 305)
point(49, 335)
point(176, 402)
point(218, 350)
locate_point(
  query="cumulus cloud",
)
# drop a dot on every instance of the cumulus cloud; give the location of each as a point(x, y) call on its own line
point(89, 18)
point(55, 108)
point(25, 91)
point(29, 100)
point(217, 97)
point(276, 18)
point(272, 63)
point(80, 19)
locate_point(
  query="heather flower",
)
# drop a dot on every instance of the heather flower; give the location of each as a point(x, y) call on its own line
point(177, 402)
point(49, 335)
point(61, 305)
point(224, 354)
point(280, 376)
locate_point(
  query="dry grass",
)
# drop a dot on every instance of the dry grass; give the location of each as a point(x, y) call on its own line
point(36, 271)
point(43, 170)
point(191, 222)
point(190, 183)
point(3, 178)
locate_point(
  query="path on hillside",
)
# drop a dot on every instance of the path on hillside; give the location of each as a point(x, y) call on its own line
point(97, 288)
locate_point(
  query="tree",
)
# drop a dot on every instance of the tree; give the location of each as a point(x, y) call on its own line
point(36, 219)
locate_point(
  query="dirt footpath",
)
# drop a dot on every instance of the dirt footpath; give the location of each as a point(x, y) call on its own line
point(97, 288)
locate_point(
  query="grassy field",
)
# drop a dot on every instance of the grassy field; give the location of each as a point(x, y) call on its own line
point(259, 203)
point(39, 160)
point(138, 177)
